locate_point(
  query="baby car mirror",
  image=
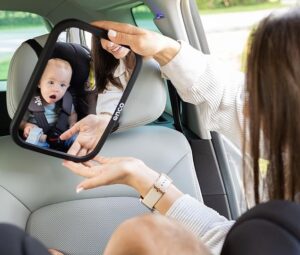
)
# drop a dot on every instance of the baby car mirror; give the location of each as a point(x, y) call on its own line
point(79, 75)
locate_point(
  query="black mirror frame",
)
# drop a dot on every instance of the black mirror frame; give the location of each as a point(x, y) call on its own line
point(35, 77)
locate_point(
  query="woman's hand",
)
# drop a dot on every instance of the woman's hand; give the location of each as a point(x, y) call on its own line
point(89, 130)
point(103, 171)
point(141, 41)
point(54, 252)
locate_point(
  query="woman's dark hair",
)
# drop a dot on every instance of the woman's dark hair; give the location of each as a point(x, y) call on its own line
point(273, 103)
point(104, 65)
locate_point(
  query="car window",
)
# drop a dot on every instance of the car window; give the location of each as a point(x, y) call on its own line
point(15, 28)
point(228, 24)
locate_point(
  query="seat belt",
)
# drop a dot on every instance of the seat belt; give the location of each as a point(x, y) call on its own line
point(62, 123)
point(37, 109)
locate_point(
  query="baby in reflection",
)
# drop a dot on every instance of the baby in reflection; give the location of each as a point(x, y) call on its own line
point(51, 110)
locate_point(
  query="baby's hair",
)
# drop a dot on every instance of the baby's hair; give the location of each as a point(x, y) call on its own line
point(61, 63)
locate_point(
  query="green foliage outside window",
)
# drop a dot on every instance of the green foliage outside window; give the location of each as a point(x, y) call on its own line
point(211, 4)
point(13, 19)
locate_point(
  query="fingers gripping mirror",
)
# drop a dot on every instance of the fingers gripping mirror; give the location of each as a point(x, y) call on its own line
point(76, 92)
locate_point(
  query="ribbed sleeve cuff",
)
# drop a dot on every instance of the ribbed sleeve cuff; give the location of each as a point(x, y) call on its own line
point(209, 226)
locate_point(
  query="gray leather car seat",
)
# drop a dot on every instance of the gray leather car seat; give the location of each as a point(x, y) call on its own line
point(38, 194)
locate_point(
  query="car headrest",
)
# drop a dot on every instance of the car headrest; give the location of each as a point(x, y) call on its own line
point(269, 228)
point(144, 105)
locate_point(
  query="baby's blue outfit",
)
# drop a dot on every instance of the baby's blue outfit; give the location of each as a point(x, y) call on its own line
point(51, 113)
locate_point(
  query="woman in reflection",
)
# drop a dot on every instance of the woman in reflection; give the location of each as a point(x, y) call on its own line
point(113, 65)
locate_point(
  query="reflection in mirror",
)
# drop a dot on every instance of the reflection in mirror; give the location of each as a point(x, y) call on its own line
point(77, 80)
point(111, 73)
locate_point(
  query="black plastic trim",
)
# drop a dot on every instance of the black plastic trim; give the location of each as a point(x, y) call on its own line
point(209, 176)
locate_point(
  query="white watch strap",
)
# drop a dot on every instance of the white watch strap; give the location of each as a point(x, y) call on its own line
point(152, 198)
point(156, 192)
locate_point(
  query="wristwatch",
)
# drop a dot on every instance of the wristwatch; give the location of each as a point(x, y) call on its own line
point(157, 190)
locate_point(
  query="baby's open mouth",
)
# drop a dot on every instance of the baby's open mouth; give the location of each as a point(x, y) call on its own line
point(53, 96)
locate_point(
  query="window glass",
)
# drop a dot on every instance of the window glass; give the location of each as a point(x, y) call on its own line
point(15, 28)
point(228, 23)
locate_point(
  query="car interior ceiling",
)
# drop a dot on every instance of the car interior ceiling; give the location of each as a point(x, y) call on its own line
point(57, 10)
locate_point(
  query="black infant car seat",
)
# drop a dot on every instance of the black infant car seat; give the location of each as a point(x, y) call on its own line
point(272, 228)
point(82, 92)
point(82, 87)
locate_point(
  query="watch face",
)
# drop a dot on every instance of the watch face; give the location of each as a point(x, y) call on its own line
point(152, 197)
point(163, 183)
point(157, 191)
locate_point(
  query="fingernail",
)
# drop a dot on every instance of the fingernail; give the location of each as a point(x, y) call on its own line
point(112, 33)
point(110, 44)
point(78, 190)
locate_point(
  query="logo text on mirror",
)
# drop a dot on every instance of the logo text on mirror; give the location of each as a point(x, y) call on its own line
point(118, 112)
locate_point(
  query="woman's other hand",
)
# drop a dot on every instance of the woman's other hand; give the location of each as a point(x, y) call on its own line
point(54, 252)
point(89, 130)
point(102, 171)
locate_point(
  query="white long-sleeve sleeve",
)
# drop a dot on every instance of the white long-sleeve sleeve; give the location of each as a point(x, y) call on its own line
point(204, 81)
point(208, 226)
point(219, 92)
point(108, 101)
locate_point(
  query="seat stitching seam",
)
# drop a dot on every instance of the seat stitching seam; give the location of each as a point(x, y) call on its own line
point(16, 198)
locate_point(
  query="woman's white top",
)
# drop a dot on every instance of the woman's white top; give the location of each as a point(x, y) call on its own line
point(109, 99)
point(202, 80)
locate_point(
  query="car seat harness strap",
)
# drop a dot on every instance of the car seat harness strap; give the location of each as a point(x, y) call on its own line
point(37, 109)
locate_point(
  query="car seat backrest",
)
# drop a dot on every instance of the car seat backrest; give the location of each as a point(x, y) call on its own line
point(38, 194)
point(269, 228)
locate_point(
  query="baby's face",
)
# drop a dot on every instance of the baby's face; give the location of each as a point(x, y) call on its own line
point(116, 50)
point(55, 81)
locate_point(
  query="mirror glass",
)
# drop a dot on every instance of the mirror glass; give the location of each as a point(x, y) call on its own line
point(83, 75)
